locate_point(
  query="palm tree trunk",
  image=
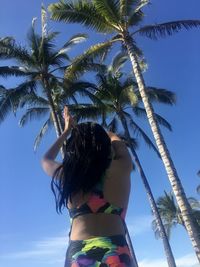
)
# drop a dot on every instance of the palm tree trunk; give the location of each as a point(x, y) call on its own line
point(162, 232)
point(130, 245)
point(190, 223)
point(56, 120)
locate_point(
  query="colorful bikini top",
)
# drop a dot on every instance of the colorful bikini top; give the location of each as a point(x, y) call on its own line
point(97, 204)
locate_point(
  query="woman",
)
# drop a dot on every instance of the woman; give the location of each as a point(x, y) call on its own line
point(93, 182)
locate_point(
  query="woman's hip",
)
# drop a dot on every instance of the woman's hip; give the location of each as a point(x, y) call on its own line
point(110, 251)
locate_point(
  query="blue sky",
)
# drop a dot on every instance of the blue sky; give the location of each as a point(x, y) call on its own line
point(31, 232)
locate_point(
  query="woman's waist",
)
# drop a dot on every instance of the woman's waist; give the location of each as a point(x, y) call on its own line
point(100, 240)
point(95, 225)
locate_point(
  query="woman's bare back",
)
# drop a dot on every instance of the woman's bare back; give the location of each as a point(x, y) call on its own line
point(116, 190)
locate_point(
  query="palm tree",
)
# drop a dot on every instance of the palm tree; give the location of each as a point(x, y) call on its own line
point(118, 18)
point(122, 95)
point(42, 65)
point(171, 214)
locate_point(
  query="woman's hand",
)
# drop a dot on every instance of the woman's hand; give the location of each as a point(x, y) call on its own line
point(69, 121)
point(113, 136)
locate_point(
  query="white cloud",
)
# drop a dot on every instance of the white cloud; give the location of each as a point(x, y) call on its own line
point(51, 250)
point(139, 225)
point(153, 263)
point(188, 260)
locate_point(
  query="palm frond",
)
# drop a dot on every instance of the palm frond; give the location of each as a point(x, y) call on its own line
point(141, 112)
point(57, 59)
point(86, 60)
point(52, 35)
point(105, 95)
point(113, 125)
point(141, 4)
point(167, 225)
point(8, 103)
point(75, 39)
point(2, 89)
point(44, 18)
point(10, 98)
point(46, 52)
point(165, 29)
point(27, 87)
point(85, 111)
point(34, 41)
point(6, 71)
point(136, 49)
point(159, 95)
point(45, 128)
point(138, 131)
point(33, 114)
point(71, 88)
point(194, 203)
point(6, 40)
point(128, 96)
point(11, 50)
point(5, 44)
point(135, 18)
point(33, 100)
point(80, 12)
point(109, 9)
point(162, 121)
point(125, 8)
point(81, 88)
point(118, 62)
point(134, 143)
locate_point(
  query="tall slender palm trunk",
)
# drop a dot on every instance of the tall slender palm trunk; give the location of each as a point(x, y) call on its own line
point(55, 117)
point(162, 232)
point(190, 223)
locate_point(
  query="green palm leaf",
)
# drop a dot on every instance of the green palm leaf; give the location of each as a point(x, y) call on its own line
point(159, 95)
point(6, 71)
point(125, 8)
point(80, 11)
point(128, 96)
point(138, 131)
point(75, 39)
point(85, 111)
point(165, 29)
point(10, 49)
point(85, 62)
point(170, 213)
point(140, 112)
point(113, 125)
point(134, 142)
point(118, 62)
point(10, 98)
point(32, 100)
point(34, 41)
point(194, 203)
point(45, 128)
point(33, 114)
point(109, 9)
point(8, 101)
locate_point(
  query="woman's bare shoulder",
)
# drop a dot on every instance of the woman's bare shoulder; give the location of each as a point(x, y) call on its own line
point(117, 184)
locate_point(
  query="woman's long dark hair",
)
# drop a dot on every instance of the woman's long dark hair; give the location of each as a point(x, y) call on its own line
point(87, 156)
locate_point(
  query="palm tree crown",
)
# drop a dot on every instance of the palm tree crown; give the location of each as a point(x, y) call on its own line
point(171, 214)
